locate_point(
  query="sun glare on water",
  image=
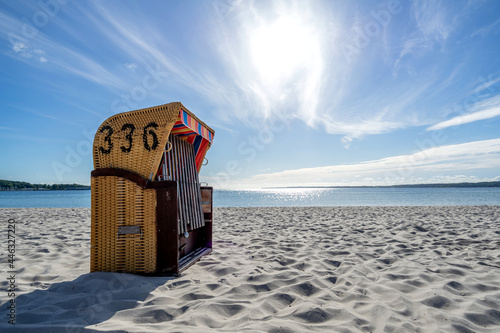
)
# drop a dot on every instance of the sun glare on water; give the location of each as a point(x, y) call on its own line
point(280, 48)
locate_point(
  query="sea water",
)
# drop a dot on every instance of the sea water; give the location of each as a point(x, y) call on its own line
point(288, 197)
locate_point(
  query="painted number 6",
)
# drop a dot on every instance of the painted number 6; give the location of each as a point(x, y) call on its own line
point(153, 134)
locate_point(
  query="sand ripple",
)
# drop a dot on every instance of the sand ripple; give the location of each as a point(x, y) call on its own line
point(330, 269)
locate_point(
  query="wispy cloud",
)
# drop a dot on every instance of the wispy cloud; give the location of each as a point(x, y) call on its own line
point(415, 47)
point(449, 160)
point(242, 77)
point(35, 139)
point(145, 46)
point(131, 66)
point(469, 118)
point(486, 109)
point(4, 128)
point(336, 96)
point(38, 113)
point(44, 49)
point(275, 54)
point(321, 92)
point(435, 19)
point(359, 129)
point(487, 29)
point(435, 22)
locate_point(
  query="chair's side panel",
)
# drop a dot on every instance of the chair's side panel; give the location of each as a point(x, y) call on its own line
point(207, 194)
point(207, 200)
point(103, 210)
point(123, 231)
point(167, 230)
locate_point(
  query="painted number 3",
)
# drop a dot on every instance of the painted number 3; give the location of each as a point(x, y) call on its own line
point(149, 137)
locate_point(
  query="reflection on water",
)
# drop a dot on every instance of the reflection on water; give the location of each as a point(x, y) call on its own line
point(289, 197)
point(358, 197)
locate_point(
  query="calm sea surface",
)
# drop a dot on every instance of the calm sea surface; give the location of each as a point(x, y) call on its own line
point(289, 197)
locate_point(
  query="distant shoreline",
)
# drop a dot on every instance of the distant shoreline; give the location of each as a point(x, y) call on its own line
point(7, 186)
point(437, 185)
point(13, 185)
point(44, 189)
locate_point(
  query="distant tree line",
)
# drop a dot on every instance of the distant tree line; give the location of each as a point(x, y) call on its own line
point(478, 184)
point(12, 185)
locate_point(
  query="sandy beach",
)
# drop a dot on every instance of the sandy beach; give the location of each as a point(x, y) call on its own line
point(331, 269)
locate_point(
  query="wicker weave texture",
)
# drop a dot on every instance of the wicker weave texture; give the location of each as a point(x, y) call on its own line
point(134, 140)
point(119, 202)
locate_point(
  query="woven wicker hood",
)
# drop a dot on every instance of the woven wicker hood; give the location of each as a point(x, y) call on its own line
point(135, 140)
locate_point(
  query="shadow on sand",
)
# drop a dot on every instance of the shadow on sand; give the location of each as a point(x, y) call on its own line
point(75, 306)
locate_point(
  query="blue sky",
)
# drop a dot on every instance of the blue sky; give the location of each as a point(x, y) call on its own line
point(298, 92)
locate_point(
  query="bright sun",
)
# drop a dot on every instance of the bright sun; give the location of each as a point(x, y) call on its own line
point(279, 49)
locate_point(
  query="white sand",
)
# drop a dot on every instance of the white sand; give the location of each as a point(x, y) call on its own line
point(339, 269)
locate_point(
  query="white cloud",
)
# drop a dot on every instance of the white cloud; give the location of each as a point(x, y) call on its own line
point(275, 54)
point(487, 29)
point(434, 18)
point(436, 22)
point(131, 66)
point(486, 85)
point(414, 46)
point(19, 47)
point(487, 109)
point(426, 165)
point(469, 118)
point(352, 131)
point(322, 90)
point(150, 48)
point(63, 58)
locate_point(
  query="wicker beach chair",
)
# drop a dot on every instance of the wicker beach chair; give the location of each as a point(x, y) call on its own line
point(149, 213)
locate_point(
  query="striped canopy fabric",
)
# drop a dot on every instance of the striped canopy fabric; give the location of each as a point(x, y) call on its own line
point(189, 128)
